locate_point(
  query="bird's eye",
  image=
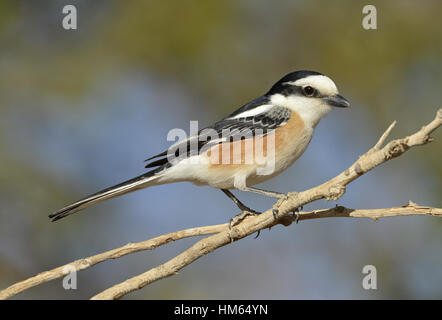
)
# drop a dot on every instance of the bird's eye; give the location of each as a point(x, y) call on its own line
point(308, 91)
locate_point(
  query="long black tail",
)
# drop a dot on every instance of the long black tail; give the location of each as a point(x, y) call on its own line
point(131, 185)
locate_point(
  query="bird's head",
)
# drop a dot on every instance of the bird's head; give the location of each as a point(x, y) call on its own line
point(311, 94)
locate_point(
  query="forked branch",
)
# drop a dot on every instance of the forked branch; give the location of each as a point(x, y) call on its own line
point(222, 234)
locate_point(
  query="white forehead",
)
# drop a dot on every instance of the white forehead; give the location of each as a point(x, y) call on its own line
point(322, 83)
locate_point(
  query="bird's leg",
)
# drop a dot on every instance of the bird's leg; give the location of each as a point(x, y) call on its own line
point(271, 194)
point(280, 196)
point(246, 211)
point(239, 204)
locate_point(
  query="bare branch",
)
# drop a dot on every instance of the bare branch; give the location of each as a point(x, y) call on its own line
point(209, 244)
point(330, 190)
point(411, 209)
point(81, 264)
point(85, 263)
point(223, 235)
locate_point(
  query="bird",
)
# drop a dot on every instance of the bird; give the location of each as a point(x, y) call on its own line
point(224, 155)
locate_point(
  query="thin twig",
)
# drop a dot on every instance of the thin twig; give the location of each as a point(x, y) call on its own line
point(382, 139)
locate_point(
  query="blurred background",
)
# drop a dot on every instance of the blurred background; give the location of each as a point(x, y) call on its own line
point(81, 109)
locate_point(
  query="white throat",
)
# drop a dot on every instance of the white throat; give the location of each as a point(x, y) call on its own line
point(311, 110)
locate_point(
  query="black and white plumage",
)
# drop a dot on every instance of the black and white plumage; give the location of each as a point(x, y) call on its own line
point(288, 113)
point(256, 117)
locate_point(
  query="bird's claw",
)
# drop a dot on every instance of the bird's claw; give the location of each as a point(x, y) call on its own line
point(275, 207)
point(297, 217)
point(275, 213)
point(235, 220)
point(296, 213)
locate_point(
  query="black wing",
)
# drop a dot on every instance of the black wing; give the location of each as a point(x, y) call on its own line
point(232, 128)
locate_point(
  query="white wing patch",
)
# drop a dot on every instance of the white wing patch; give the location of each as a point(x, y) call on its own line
point(253, 112)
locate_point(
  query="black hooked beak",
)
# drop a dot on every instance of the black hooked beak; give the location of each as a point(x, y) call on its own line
point(337, 101)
